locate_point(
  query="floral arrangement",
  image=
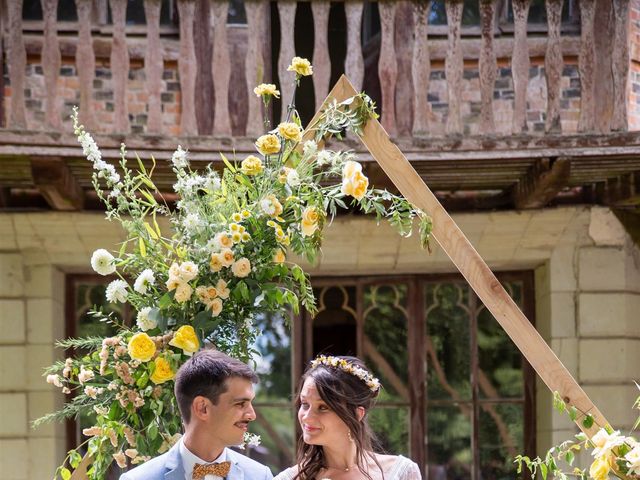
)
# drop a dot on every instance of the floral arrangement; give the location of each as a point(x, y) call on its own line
point(613, 454)
point(203, 283)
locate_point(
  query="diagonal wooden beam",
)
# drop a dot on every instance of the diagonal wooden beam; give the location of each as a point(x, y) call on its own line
point(542, 183)
point(472, 266)
point(56, 183)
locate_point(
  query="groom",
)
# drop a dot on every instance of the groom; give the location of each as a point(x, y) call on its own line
point(214, 394)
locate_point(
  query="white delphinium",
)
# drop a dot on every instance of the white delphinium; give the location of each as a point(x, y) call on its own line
point(144, 281)
point(267, 206)
point(117, 291)
point(309, 148)
point(251, 440)
point(293, 179)
point(179, 158)
point(324, 157)
point(143, 320)
point(192, 223)
point(212, 182)
point(103, 262)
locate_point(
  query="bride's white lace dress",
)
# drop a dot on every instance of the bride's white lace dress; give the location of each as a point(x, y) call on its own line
point(401, 469)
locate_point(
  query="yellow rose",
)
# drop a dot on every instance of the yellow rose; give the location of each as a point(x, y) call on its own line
point(212, 292)
point(215, 264)
point(215, 306)
point(290, 131)
point(226, 257)
point(183, 293)
point(252, 165)
point(268, 144)
point(301, 66)
point(186, 339)
point(309, 223)
point(599, 469)
point(162, 372)
point(279, 257)
point(241, 268)
point(266, 89)
point(141, 347)
point(356, 186)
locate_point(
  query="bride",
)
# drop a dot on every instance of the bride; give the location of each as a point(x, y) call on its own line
point(337, 442)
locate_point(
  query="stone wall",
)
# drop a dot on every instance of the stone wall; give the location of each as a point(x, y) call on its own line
point(587, 289)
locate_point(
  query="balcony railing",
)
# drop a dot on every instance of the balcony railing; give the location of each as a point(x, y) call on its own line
point(429, 80)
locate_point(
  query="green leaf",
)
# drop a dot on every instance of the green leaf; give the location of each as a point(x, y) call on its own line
point(74, 458)
point(164, 301)
point(152, 431)
point(543, 471)
point(231, 168)
point(569, 457)
point(588, 421)
point(65, 473)
point(148, 196)
point(143, 248)
point(558, 402)
point(143, 380)
point(573, 413)
point(152, 233)
point(140, 164)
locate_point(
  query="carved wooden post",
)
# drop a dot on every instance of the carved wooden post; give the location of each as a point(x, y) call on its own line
point(520, 65)
point(287, 13)
point(188, 66)
point(3, 13)
point(603, 74)
point(254, 65)
point(454, 65)
point(321, 60)
point(202, 45)
point(153, 66)
point(403, 41)
point(120, 65)
point(586, 66)
point(421, 68)
point(17, 62)
point(85, 64)
point(354, 62)
point(487, 65)
point(51, 63)
point(221, 68)
point(620, 64)
point(553, 64)
point(387, 66)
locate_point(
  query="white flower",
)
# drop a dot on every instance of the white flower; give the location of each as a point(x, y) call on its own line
point(144, 281)
point(251, 439)
point(192, 223)
point(309, 148)
point(54, 380)
point(267, 206)
point(293, 179)
point(100, 410)
point(324, 157)
point(92, 392)
point(604, 442)
point(117, 291)
point(143, 321)
point(212, 183)
point(179, 158)
point(103, 262)
point(188, 271)
point(85, 375)
point(633, 460)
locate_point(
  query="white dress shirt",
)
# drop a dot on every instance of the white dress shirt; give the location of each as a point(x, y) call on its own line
point(189, 460)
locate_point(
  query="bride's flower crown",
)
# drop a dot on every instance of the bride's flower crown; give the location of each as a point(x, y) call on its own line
point(372, 382)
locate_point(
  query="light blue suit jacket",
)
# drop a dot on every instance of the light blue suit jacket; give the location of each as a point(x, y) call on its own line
point(169, 467)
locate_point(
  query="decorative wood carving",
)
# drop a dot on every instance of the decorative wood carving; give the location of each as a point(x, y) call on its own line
point(254, 65)
point(321, 60)
point(487, 65)
point(16, 62)
point(454, 66)
point(553, 64)
point(51, 60)
point(542, 183)
point(221, 68)
point(354, 62)
point(604, 75)
point(187, 64)
point(520, 65)
point(85, 64)
point(421, 69)
point(153, 66)
point(56, 183)
point(120, 65)
point(587, 66)
point(287, 13)
point(202, 41)
point(404, 39)
point(387, 66)
point(620, 64)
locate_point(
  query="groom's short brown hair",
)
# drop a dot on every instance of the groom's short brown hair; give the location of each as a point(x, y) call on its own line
point(205, 374)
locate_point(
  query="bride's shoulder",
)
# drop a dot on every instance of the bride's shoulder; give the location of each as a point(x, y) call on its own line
point(397, 465)
point(287, 474)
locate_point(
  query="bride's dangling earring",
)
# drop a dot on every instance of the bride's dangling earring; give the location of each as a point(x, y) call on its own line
point(349, 435)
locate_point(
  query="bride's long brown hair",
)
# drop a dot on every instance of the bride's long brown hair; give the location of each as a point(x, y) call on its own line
point(343, 393)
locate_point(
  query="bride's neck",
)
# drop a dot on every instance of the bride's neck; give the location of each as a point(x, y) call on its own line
point(340, 456)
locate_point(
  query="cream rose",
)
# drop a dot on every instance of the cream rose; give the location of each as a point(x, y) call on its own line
point(241, 268)
point(309, 223)
point(183, 292)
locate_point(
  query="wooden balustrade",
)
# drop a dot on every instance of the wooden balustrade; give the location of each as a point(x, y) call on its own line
point(404, 71)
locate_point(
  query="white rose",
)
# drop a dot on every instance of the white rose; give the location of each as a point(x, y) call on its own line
point(143, 321)
point(117, 291)
point(144, 280)
point(188, 271)
point(103, 262)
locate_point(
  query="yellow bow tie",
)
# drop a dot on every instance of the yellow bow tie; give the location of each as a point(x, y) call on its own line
point(218, 469)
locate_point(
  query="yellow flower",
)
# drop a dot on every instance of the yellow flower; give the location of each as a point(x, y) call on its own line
point(236, 237)
point(354, 182)
point(282, 175)
point(183, 293)
point(236, 217)
point(141, 347)
point(279, 257)
point(252, 165)
point(163, 372)
point(599, 469)
point(268, 144)
point(290, 131)
point(245, 237)
point(301, 66)
point(215, 264)
point(246, 213)
point(266, 89)
point(309, 223)
point(241, 268)
point(186, 339)
point(350, 168)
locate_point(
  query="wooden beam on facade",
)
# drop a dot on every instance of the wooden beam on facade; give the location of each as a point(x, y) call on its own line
point(542, 183)
point(623, 190)
point(57, 185)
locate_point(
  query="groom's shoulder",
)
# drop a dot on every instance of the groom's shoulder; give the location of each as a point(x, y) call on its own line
point(257, 469)
point(154, 468)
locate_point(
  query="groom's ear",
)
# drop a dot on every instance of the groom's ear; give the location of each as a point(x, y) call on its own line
point(360, 412)
point(199, 408)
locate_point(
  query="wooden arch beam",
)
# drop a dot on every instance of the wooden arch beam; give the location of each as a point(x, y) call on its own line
point(56, 183)
point(470, 264)
point(542, 183)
